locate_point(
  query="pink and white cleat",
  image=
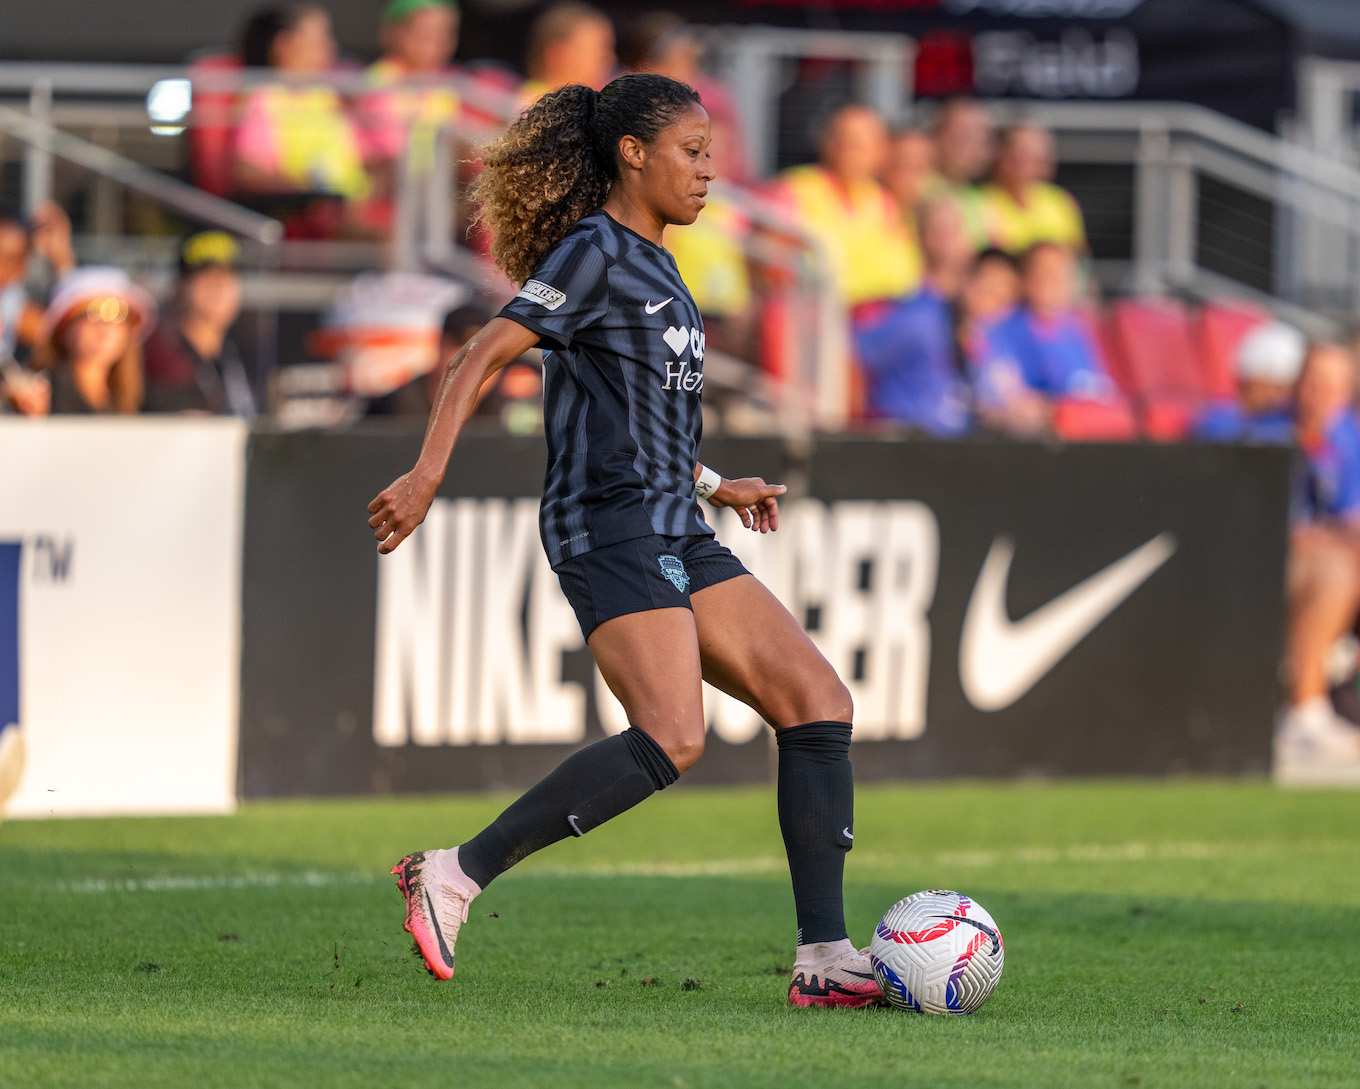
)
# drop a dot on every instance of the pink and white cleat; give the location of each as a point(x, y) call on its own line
point(438, 894)
point(833, 974)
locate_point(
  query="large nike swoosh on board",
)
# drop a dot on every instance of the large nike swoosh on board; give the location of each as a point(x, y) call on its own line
point(1001, 659)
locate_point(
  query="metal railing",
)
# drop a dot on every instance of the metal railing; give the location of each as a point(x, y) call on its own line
point(1221, 207)
point(753, 61)
point(44, 141)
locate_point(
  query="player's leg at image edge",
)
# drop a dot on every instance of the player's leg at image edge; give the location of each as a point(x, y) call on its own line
point(590, 787)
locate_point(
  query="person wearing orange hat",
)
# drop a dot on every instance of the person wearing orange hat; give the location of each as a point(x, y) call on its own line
point(192, 364)
point(92, 342)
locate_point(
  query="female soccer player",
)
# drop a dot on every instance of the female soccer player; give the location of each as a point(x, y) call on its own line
point(577, 193)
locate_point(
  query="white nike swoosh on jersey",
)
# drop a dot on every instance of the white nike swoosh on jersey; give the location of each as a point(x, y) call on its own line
point(653, 309)
point(1001, 659)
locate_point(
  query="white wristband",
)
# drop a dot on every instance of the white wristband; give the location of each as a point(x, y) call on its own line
point(708, 482)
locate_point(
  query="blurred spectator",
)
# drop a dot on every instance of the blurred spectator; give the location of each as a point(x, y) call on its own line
point(906, 175)
point(48, 235)
point(92, 333)
point(294, 136)
point(660, 42)
point(192, 364)
point(906, 347)
point(1003, 399)
point(1047, 343)
point(409, 103)
point(1022, 205)
point(502, 397)
point(964, 142)
point(1269, 360)
point(1324, 561)
point(840, 202)
point(568, 43)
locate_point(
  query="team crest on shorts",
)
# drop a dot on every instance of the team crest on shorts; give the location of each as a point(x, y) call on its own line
point(674, 570)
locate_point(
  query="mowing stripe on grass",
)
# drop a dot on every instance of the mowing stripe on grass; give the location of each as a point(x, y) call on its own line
point(206, 882)
point(727, 867)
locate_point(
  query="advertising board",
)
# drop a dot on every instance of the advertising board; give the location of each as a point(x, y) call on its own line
point(996, 609)
point(120, 561)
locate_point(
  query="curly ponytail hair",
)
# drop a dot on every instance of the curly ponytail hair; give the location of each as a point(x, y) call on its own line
point(558, 160)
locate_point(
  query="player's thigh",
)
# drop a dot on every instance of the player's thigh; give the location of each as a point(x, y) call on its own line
point(650, 660)
point(752, 648)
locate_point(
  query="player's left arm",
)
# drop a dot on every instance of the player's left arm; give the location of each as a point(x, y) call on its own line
point(755, 501)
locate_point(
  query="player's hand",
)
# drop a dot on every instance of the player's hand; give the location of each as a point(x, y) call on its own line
point(753, 499)
point(398, 509)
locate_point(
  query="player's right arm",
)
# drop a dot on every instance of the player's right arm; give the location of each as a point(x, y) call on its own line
point(402, 505)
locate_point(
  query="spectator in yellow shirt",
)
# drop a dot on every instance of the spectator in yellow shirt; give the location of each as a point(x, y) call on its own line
point(964, 146)
point(907, 175)
point(1022, 204)
point(840, 201)
point(411, 94)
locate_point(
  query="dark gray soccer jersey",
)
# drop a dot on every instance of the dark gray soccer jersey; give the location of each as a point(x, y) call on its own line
point(622, 373)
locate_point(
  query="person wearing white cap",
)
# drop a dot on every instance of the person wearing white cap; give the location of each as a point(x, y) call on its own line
point(1269, 361)
point(91, 346)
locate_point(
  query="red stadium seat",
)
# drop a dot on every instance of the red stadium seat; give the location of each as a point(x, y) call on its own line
point(1094, 421)
point(1151, 339)
point(1220, 329)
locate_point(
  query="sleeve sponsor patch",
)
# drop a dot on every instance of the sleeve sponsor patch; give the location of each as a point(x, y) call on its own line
point(541, 293)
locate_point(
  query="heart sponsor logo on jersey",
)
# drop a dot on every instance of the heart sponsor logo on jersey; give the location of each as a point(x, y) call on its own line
point(677, 339)
point(545, 295)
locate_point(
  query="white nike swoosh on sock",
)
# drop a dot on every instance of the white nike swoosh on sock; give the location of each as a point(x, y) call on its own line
point(1001, 659)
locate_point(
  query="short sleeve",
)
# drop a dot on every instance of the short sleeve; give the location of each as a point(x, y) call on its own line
point(1345, 504)
point(567, 293)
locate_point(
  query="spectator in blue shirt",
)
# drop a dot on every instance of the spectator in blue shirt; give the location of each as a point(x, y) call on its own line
point(905, 348)
point(1048, 339)
point(1324, 559)
point(1268, 363)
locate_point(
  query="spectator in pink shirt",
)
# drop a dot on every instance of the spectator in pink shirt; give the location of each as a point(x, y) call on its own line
point(294, 136)
point(412, 95)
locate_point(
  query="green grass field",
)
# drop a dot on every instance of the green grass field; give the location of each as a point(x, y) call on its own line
point(1188, 934)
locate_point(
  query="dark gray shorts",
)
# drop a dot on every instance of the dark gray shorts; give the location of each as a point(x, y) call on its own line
point(643, 574)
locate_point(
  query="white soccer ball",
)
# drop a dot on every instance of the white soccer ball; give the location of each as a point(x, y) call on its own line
point(937, 952)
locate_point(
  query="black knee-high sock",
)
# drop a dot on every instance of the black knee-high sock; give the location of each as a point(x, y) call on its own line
point(817, 817)
point(588, 788)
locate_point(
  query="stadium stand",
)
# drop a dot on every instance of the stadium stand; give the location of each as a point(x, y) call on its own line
point(1157, 364)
